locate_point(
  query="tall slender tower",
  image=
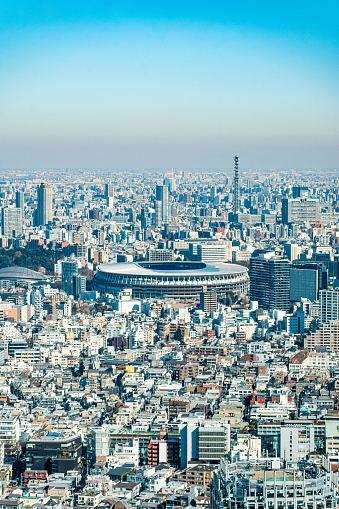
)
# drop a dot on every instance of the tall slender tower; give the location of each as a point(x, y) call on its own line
point(236, 185)
point(109, 194)
point(19, 200)
point(44, 212)
point(161, 195)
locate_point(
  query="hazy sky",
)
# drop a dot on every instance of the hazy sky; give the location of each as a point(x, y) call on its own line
point(169, 84)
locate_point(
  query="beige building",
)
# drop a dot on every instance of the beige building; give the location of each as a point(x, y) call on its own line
point(327, 335)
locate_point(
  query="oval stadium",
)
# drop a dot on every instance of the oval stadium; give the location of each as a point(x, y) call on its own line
point(173, 280)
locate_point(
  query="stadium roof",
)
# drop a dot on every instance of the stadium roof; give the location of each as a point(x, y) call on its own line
point(175, 268)
point(21, 274)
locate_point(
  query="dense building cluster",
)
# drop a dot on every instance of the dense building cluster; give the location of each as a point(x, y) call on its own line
point(169, 340)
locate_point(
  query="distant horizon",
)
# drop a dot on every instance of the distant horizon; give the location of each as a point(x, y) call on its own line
point(168, 169)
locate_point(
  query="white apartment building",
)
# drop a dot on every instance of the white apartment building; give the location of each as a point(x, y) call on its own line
point(247, 448)
point(296, 442)
point(9, 430)
point(126, 453)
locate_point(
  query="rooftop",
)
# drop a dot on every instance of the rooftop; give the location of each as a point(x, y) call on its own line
point(21, 273)
point(176, 268)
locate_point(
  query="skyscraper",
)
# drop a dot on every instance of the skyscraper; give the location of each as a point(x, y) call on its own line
point(292, 251)
point(170, 182)
point(11, 222)
point(158, 214)
point(300, 210)
point(329, 306)
point(44, 212)
point(161, 195)
point(79, 286)
point(304, 283)
point(320, 268)
point(300, 192)
point(109, 190)
point(69, 270)
point(143, 219)
point(270, 281)
point(109, 194)
point(19, 200)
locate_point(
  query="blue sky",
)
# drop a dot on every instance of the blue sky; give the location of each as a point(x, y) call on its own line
point(168, 84)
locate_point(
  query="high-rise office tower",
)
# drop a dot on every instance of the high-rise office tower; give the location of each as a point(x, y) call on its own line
point(143, 219)
point(170, 182)
point(44, 212)
point(161, 195)
point(69, 270)
point(300, 192)
point(109, 190)
point(307, 279)
point(19, 200)
point(79, 286)
point(109, 194)
point(292, 251)
point(270, 281)
point(303, 283)
point(158, 214)
point(11, 222)
point(319, 267)
point(329, 306)
point(300, 210)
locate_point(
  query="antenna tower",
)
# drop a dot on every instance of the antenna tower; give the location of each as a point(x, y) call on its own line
point(236, 185)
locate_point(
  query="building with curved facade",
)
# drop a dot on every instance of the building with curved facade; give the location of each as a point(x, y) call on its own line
point(171, 279)
point(21, 274)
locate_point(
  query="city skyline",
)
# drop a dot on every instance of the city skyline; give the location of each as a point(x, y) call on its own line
point(169, 255)
point(163, 332)
point(173, 86)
